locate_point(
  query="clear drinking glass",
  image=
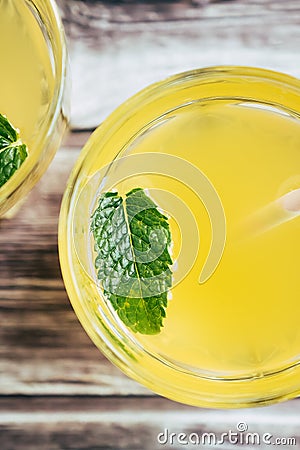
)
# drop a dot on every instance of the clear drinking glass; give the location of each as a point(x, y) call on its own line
point(33, 90)
point(213, 148)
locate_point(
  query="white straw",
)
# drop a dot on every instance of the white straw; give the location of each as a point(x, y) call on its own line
point(282, 210)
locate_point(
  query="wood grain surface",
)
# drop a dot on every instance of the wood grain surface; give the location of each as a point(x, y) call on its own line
point(117, 48)
point(113, 423)
point(56, 389)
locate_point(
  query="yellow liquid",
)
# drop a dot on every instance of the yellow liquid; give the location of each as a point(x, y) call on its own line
point(26, 76)
point(244, 320)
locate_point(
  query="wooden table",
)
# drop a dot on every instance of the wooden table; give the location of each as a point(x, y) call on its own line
point(56, 390)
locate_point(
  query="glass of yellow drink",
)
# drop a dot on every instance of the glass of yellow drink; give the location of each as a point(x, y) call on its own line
point(32, 87)
point(210, 147)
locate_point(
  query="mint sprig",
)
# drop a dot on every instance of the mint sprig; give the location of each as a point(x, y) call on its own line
point(12, 151)
point(132, 239)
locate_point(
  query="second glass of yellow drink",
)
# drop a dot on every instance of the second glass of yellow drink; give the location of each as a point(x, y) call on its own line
point(32, 93)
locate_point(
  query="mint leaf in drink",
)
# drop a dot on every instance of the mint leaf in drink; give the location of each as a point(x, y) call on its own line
point(12, 151)
point(132, 240)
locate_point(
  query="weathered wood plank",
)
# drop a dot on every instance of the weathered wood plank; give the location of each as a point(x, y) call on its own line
point(135, 423)
point(43, 349)
point(117, 48)
point(89, 12)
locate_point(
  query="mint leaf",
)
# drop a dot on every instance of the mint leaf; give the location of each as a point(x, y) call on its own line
point(12, 151)
point(132, 240)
